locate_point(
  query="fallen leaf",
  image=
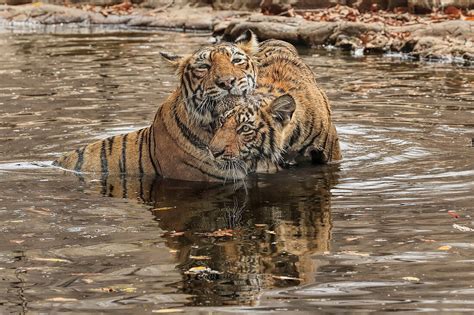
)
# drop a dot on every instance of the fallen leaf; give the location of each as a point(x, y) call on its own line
point(218, 233)
point(352, 238)
point(117, 288)
point(17, 241)
point(198, 269)
point(51, 259)
point(414, 279)
point(286, 278)
point(163, 208)
point(444, 247)
point(61, 299)
point(453, 214)
point(199, 257)
point(174, 234)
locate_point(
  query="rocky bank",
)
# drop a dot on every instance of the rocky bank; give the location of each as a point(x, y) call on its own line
point(422, 38)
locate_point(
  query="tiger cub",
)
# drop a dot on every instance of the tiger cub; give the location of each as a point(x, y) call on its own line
point(261, 128)
point(175, 145)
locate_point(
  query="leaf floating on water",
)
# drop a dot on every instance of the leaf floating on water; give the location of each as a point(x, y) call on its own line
point(453, 214)
point(352, 238)
point(463, 228)
point(163, 208)
point(17, 241)
point(117, 288)
point(174, 234)
point(200, 270)
point(286, 278)
point(51, 259)
point(414, 279)
point(218, 233)
point(445, 247)
point(61, 299)
point(168, 310)
point(200, 257)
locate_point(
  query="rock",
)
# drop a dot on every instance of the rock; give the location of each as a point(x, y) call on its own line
point(316, 33)
point(16, 2)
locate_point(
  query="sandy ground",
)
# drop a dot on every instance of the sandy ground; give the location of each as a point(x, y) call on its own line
point(442, 38)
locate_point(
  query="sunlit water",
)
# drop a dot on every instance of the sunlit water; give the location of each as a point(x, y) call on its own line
point(373, 233)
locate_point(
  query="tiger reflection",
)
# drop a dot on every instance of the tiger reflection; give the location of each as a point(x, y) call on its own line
point(246, 240)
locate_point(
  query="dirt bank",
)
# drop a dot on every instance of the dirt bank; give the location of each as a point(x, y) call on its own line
point(423, 38)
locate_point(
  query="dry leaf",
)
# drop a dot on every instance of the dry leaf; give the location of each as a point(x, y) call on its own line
point(51, 259)
point(17, 241)
point(445, 247)
point(61, 299)
point(286, 278)
point(199, 257)
point(163, 208)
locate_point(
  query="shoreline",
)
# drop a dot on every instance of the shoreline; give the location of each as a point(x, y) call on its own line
point(447, 40)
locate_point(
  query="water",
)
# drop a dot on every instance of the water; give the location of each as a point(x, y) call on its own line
point(377, 232)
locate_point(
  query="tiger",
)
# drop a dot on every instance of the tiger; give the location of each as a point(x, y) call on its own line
point(175, 145)
point(287, 117)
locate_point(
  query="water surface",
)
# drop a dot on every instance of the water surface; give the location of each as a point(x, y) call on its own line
point(388, 229)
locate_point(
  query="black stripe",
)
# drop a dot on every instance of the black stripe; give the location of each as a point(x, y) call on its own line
point(150, 131)
point(140, 152)
point(271, 135)
point(80, 159)
point(104, 167)
point(188, 134)
point(111, 143)
point(303, 149)
point(295, 135)
point(123, 161)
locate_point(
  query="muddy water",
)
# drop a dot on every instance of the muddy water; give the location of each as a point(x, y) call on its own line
point(389, 229)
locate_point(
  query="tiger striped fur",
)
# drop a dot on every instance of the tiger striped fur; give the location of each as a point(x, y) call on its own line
point(287, 114)
point(176, 144)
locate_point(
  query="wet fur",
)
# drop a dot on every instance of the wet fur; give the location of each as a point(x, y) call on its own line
point(310, 132)
point(175, 145)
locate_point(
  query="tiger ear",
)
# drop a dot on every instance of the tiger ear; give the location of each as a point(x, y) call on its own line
point(282, 109)
point(173, 59)
point(248, 42)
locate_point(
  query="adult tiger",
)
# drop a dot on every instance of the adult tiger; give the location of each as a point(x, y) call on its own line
point(288, 113)
point(176, 143)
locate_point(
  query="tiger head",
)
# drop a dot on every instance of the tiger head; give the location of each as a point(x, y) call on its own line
point(213, 72)
point(252, 130)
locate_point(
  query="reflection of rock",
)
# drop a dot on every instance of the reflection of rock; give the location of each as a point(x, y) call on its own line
point(271, 231)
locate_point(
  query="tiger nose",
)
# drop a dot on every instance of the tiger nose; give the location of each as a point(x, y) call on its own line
point(225, 83)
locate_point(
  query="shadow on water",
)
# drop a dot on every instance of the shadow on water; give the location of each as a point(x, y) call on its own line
point(233, 241)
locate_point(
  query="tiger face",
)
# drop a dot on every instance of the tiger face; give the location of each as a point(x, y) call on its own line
point(252, 130)
point(214, 72)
